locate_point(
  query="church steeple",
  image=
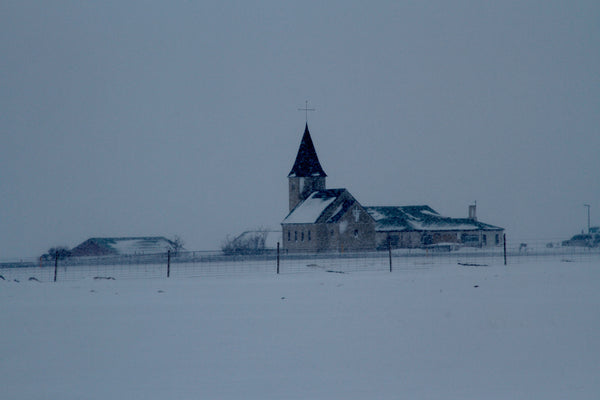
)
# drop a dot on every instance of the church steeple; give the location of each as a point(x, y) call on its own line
point(306, 175)
point(307, 163)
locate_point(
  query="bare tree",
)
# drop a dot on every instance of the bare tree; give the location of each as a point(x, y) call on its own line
point(249, 242)
point(60, 251)
point(177, 244)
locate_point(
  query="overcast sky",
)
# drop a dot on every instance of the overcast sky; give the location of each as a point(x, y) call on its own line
point(121, 118)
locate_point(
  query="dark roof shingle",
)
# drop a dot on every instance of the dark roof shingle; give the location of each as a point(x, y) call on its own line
point(421, 218)
point(307, 163)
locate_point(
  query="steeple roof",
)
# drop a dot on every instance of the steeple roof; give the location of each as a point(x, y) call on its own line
point(307, 163)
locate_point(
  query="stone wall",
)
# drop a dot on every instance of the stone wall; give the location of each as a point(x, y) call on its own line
point(414, 239)
point(301, 187)
point(353, 232)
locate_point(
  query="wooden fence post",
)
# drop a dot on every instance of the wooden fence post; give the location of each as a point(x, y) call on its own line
point(504, 240)
point(168, 263)
point(55, 265)
point(390, 252)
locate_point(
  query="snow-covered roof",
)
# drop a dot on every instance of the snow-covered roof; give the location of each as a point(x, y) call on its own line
point(323, 206)
point(123, 246)
point(421, 218)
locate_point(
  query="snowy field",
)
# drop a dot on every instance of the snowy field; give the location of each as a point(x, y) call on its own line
point(526, 331)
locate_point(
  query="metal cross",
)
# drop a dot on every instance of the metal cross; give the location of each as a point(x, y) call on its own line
point(306, 109)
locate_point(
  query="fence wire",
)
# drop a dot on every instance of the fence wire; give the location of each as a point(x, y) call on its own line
point(215, 263)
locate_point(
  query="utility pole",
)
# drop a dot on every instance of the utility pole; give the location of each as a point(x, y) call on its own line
point(588, 207)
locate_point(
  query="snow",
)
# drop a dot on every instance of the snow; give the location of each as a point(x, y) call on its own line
point(131, 246)
point(140, 245)
point(375, 214)
point(525, 331)
point(343, 227)
point(405, 220)
point(309, 210)
point(427, 212)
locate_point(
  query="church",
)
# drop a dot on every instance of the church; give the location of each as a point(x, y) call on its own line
point(322, 220)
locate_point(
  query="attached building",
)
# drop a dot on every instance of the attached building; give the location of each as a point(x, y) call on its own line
point(421, 226)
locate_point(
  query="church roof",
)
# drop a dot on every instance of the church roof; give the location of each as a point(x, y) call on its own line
point(330, 205)
point(307, 163)
point(421, 218)
point(322, 206)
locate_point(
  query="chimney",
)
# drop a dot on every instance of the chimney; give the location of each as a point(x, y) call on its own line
point(473, 212)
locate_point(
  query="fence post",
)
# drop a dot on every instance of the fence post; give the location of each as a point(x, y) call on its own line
point(277, 258)
point(168, 263)
point(55, 265)
point(390, 252)
point(504, 240)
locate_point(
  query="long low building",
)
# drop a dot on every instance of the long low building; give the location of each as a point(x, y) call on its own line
point(421, 226)
point(123, 246)
point(322, 219)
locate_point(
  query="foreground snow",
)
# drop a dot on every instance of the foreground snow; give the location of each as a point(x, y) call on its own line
point(450, 332)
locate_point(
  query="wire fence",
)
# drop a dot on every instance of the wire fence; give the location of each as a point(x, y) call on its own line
point(187, 264)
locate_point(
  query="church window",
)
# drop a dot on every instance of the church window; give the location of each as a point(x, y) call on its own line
point(302, 236)
point(309, 235)
point(497, 239)
point(296, 236)
point(356, 233)
point(332, 232)
point(289, 235)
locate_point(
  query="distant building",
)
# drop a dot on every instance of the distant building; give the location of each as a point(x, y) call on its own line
point(123, 246)
point(253, 242)
point(322, 219)
point(591, 239)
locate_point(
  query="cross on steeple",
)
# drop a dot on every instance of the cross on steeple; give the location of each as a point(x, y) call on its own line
point(306, 109)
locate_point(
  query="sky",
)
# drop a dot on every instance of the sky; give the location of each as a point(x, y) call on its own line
point(142, 118)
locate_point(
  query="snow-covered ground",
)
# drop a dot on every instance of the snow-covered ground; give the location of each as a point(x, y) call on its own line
point(527, 331)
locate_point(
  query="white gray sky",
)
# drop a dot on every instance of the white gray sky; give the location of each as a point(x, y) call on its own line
point(123, 118)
